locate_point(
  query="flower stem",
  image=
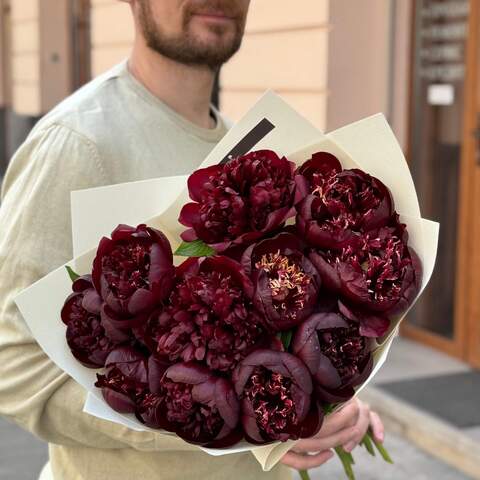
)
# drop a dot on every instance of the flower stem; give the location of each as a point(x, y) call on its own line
point(383, 451)
point(304, 474)
point(367, 443)
point(347, 461)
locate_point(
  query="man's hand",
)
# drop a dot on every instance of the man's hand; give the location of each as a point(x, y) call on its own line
point(346, 427)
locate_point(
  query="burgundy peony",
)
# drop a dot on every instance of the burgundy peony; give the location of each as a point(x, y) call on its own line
point(336, 354)
point(341, 204)
point(85, 335)
point(286, 283)
point(275, 390)
point(194, 403)
point(382, 273)
point(126, 381)
point(133, 272)
point(209, 317)
point(238, 202)
point(317, 170)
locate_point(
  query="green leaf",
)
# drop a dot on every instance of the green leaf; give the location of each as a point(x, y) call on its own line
point(286, 338)
point(73, 276)
point(328, 409)
point(197, 248)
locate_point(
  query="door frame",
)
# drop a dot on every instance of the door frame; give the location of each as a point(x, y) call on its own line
point(471, 220)
point(466, 332)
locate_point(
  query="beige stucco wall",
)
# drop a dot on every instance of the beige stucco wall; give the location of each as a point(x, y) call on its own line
point(4, 55)
point(25, 60)
point(284, 49)
point(112, 33)
point(369, 63)
point(401, 71)
point(56, 65)
point(336, 61)
point(41, 68)
point(358, 75)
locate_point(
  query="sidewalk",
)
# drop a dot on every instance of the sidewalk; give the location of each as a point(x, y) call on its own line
point(431, 400)
point(22, 456)
point(411, 463)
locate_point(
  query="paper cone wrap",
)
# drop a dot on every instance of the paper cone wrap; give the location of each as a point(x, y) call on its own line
point(368, 144)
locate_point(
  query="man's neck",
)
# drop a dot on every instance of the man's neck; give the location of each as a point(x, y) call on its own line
point(184, 88)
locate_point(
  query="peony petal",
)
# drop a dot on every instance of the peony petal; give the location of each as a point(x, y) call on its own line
point(82, 283)
point(142, 301)
point(329, 275)
point(190, 373)
point(326, 374)
point(301, 399)
point(156, 369)
point(227, 402)
point(118, 401)
point(278, 217)
point(123, 232)
point(335, 396)
point(249, 423)
point(92, 302)
point(312, 422)
point(198, 179)
point(373, 325)
point(190, 214)
point(189, 235)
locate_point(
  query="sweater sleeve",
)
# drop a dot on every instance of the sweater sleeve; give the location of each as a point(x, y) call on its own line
point(35, 238)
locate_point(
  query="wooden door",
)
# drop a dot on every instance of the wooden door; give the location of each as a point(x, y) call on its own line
point(471, 200)
point(443, 154)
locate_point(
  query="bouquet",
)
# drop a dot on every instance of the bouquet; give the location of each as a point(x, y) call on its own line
point(298, 271)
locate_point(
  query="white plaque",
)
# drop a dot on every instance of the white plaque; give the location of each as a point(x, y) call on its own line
point(441, 94)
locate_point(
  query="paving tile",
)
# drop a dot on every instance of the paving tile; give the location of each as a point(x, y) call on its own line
point(473, 432)
point(22, 456)
point(410, 464)
point(408, 360)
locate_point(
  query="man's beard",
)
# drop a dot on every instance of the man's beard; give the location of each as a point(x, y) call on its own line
point(185, 48)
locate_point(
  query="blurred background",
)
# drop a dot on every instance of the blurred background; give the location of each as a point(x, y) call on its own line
point(336, 61)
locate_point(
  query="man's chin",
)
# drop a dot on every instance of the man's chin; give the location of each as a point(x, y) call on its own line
point(206, 31)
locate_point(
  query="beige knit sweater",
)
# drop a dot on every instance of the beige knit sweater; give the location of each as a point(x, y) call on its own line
point(112, 130)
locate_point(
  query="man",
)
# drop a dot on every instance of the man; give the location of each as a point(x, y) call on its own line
point(147, 118)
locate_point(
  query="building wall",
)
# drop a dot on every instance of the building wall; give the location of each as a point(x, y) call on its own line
point(401, 70)
point(25, 57)
point(359, 51)
point(112, 33)
point(330, 59)
point(56, 62)
point(4, 54)
point(41, 72)
point(336, 61)
point(284, 49)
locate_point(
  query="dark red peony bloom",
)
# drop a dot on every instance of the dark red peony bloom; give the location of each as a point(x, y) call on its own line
point(85, 335)
point(194, 403)
point(275, 390)
point(238, 202)
point(286, 283)
point(318, 170)
point(382, 273)
point(209, 317)
point(126, 381)
point(340, 204)
point(337, 355)
point(133, 272)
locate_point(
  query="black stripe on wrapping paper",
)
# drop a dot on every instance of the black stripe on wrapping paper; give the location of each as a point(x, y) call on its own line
point(257, 133)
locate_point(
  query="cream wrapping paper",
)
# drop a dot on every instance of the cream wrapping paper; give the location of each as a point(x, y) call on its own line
point(368, 144)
